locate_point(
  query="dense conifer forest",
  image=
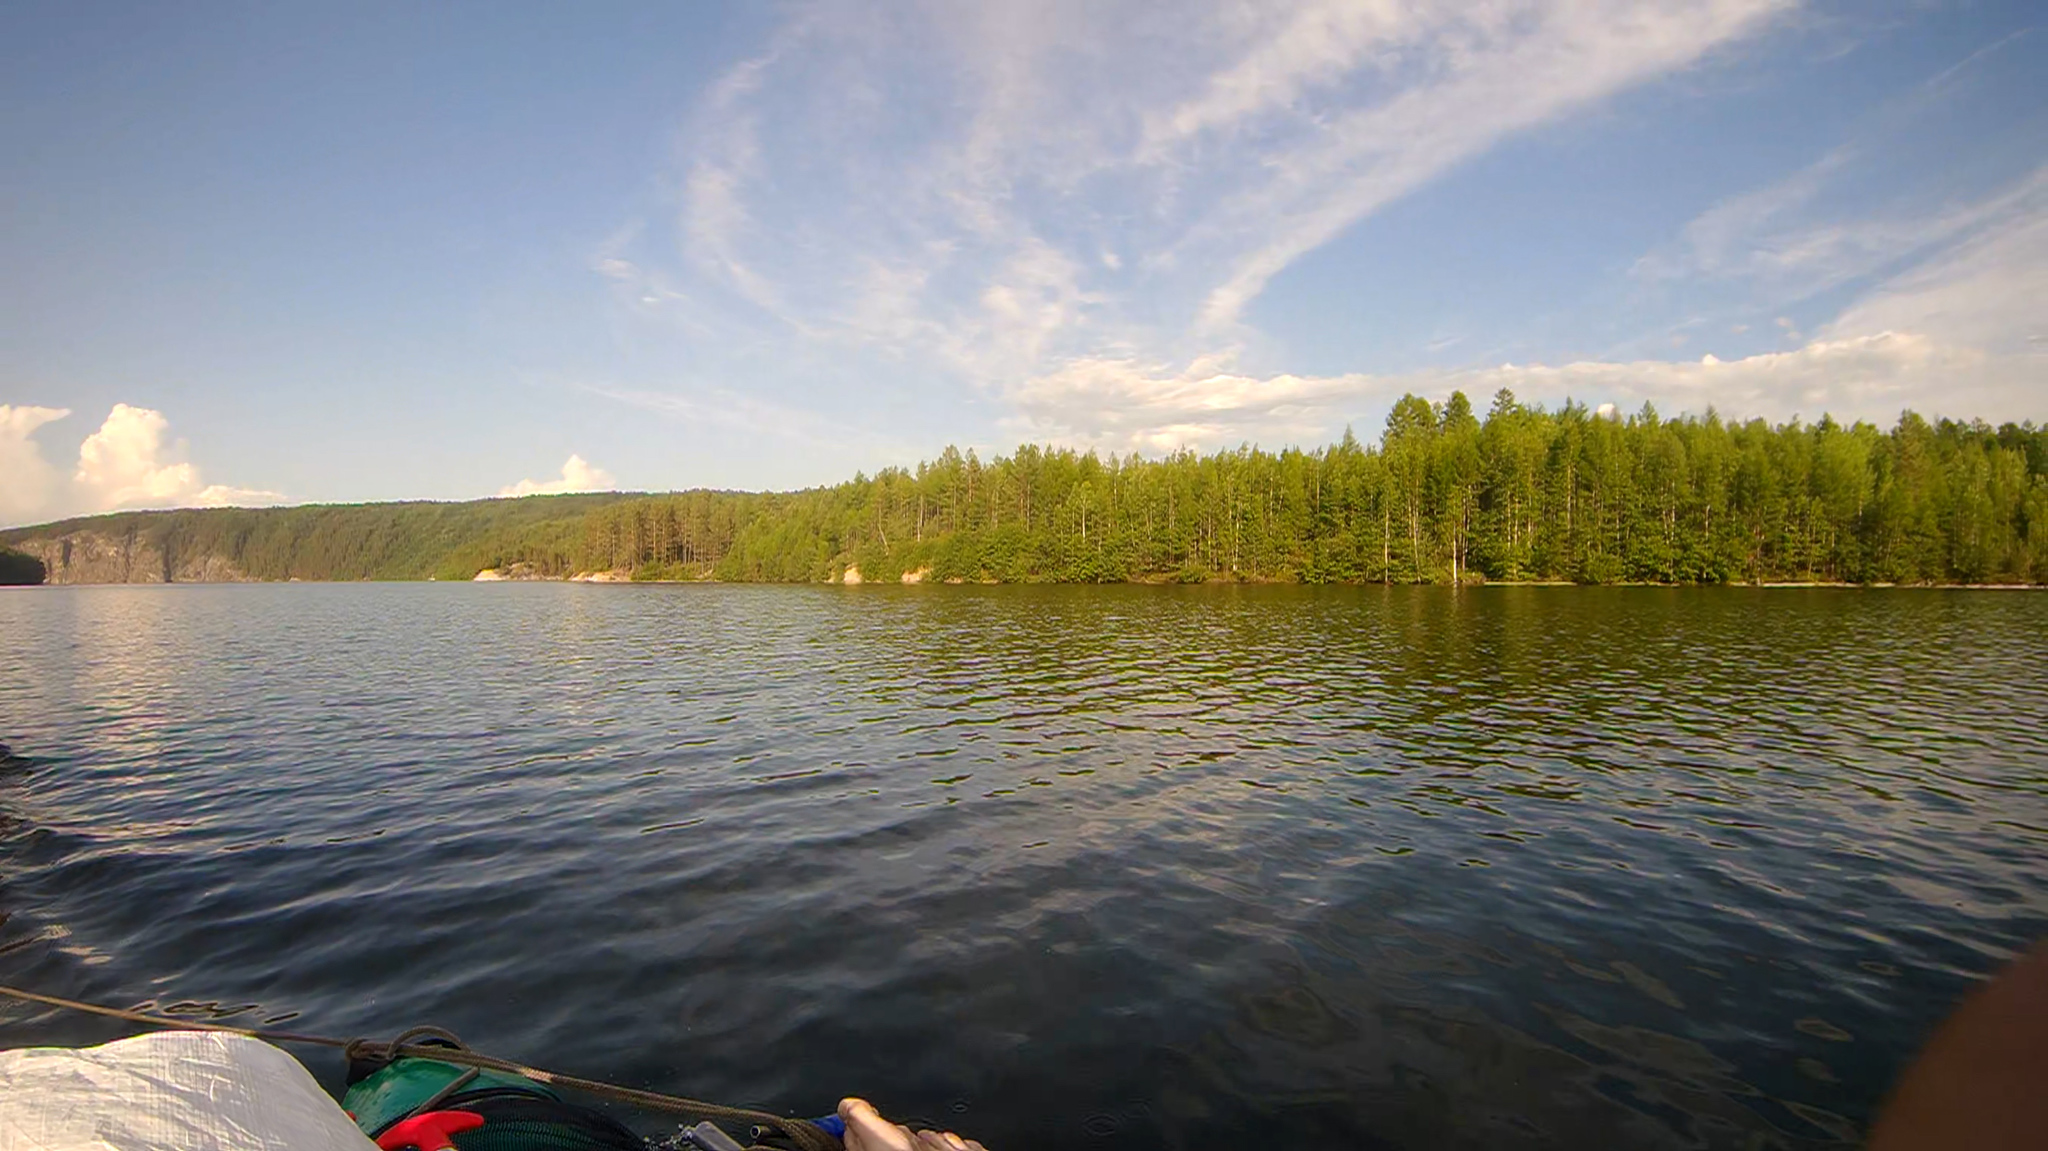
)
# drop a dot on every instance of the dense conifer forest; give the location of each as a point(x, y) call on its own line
point(1444, 496)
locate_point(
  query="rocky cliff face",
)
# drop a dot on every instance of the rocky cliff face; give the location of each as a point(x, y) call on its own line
point(93, 557)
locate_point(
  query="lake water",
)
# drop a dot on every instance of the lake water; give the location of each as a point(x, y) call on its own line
point(1058, 867)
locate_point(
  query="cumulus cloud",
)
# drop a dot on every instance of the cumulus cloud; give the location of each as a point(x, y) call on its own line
point(1130, 405)
point(1863, 377)
point(123, 465)
point(578, 475)
point(28, 478)
point(126, 464)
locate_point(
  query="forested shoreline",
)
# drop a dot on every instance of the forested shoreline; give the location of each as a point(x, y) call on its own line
point(1443, 496)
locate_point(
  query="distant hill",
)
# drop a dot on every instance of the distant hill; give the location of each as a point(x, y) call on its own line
point(391, 541)
point(1444, 496)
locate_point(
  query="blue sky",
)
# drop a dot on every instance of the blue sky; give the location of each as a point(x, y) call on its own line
point(293, 252)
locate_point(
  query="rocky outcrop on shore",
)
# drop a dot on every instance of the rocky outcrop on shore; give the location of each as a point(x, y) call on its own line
point(515, 571)
point(95, 557)
point(527, 572)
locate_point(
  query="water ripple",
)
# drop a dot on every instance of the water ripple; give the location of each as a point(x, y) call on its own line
point(1181, 867)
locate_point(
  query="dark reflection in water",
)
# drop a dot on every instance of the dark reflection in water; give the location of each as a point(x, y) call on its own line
point(1137, 867)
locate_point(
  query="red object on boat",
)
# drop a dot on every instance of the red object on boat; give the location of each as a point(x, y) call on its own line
point(428, 1131)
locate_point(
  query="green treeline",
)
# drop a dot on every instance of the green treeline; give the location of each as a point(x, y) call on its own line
point(1443, 496)
point(1524, 494)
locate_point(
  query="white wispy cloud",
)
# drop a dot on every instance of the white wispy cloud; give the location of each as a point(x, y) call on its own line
point(1127, 405)
point(1985, 291)
point(715, 217)
point(578, 475)
point(1776, 238)
point(995, 189)
point(1072, 207)
point(754, 416)
point(1460, 79)
point(1958, 282)
point(1305, 46)
point(1960, 334)
point(129, 462)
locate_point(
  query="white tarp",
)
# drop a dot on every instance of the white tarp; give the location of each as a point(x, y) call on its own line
point(170, 1091)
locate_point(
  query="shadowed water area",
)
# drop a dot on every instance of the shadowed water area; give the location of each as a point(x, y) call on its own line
point(1120, 867)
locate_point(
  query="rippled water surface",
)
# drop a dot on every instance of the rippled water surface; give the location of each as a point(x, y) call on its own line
point(1131, 867)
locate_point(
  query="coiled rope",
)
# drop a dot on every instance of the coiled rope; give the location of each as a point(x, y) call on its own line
point(806, 1135)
